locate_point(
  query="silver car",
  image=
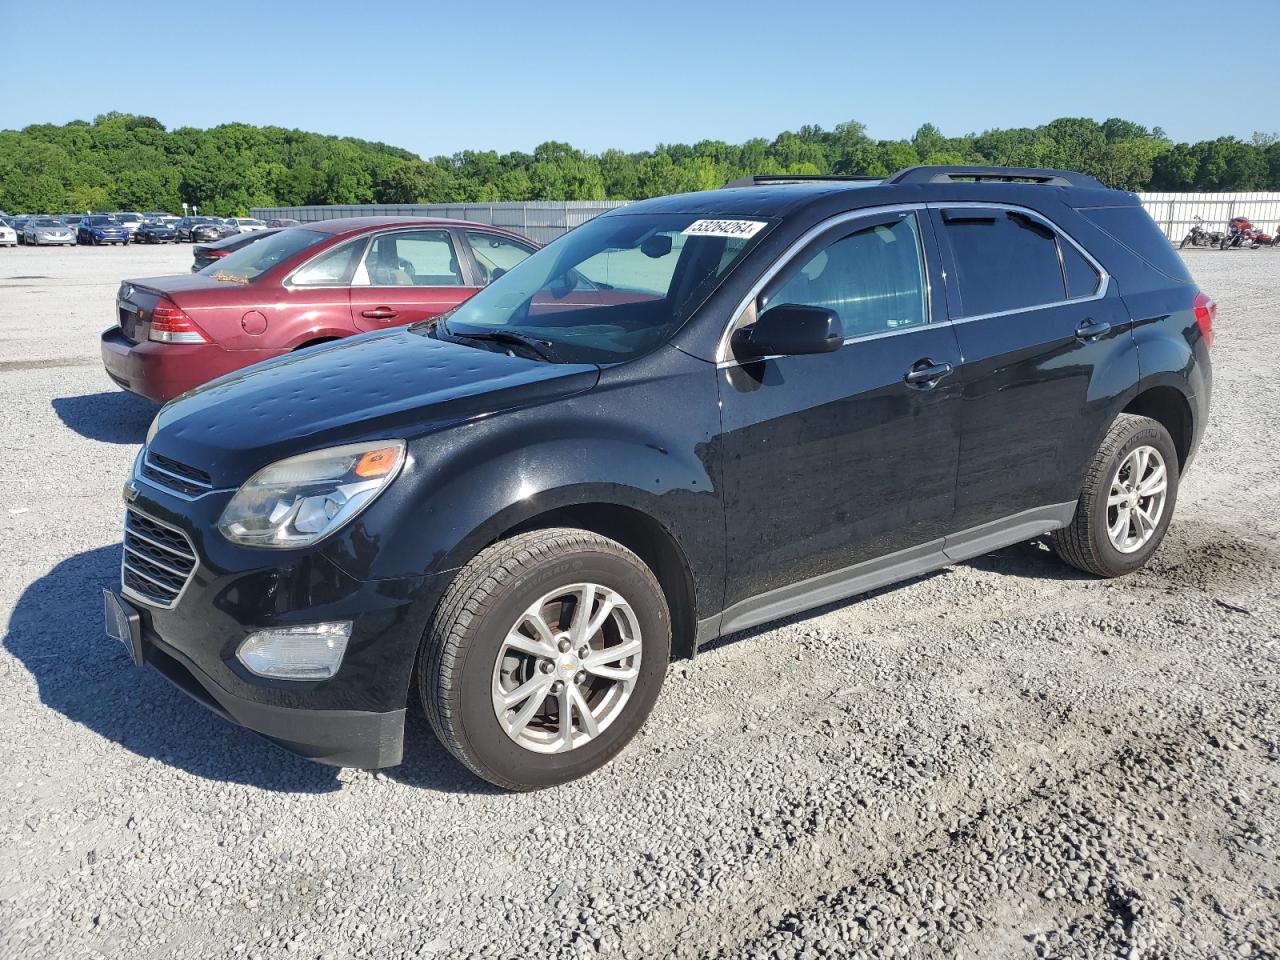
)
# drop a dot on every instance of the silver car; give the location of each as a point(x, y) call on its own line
point(42, 231)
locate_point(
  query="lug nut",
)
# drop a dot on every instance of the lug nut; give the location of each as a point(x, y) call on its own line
point(564, 645)
point(580, 677)
point(546, 666)
point(557, 687)
point(584, 652)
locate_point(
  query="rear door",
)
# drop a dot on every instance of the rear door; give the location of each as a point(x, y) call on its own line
point(1043, 332)
point(407, 276)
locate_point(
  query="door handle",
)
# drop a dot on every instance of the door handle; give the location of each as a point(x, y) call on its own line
point(1090, 330)
point(926, 373)
point(378, 313)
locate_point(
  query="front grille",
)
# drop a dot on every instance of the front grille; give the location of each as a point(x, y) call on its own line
point(173, 475)
point(158, 560)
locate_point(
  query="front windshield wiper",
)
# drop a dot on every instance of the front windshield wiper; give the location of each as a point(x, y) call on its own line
point(543, 349)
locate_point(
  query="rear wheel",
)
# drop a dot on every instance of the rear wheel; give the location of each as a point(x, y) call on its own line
point(545, 657)
point(1127, 500)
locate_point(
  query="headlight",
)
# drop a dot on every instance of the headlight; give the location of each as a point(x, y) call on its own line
point(298, 501)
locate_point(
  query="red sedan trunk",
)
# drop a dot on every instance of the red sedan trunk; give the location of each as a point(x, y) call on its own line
point(303, 286)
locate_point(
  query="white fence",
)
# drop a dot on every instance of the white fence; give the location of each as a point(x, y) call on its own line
point(1177, 212)
point(544, 220)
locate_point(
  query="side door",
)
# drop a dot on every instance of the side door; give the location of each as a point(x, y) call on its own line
point(1042, 330)
point(493, 254)
point(315, 300)
point(846, 459)
point(407, 276)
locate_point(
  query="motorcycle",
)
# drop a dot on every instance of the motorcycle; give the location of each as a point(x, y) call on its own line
point(1241, 234)
point(1200, 237)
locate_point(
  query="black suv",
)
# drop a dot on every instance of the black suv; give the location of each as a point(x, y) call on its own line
point(689, 416)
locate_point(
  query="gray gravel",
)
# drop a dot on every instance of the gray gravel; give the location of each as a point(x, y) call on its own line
point(1004, 758)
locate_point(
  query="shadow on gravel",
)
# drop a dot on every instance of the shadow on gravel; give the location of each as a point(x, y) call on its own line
point(1034, 559)
point(110, 417)
point(56, 632)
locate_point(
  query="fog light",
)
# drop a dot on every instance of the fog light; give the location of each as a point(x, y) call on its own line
point(309, 652)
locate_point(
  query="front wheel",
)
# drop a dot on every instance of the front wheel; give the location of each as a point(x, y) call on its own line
point(545, 657)
point(1127, 500)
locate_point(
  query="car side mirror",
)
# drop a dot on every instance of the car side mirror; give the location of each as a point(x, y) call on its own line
point(790, 330)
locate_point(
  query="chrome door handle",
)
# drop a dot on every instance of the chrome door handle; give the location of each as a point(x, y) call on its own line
point(1090, 330)
point(926, 373)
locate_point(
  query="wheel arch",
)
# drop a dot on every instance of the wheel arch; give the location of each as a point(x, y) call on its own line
point(1169, 407)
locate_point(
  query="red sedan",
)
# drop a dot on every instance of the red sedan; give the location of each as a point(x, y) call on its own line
point(304, 285)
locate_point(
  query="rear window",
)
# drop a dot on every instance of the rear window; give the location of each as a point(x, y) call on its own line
point(1132, 227)
point(249, 263)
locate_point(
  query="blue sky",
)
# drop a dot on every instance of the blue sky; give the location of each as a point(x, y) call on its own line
point(487, 74)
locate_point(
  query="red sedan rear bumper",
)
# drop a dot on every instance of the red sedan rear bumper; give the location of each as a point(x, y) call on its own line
point(162, 371)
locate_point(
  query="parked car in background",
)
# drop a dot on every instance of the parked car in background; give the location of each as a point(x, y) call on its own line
point(283, 222)
point(47, 231)
point(215, 229)
point(246, 224)
point(772, 398)
point(295, 288)
point(186, 224)
point(18, 223)
point(204, 254)
point(155, 231)
point(130, 221)
point(98, 228)
point(8, 235)
point(158, 215)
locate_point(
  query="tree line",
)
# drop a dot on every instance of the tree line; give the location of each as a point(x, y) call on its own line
point(126, 162)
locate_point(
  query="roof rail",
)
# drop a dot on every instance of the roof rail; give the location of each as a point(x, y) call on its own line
point(948, 174)
point(764, 179)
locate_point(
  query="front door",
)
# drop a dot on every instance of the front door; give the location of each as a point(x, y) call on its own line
point(835, 460)
point(407, 276)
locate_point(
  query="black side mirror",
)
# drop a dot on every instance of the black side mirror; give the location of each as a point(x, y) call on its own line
point(789, 330)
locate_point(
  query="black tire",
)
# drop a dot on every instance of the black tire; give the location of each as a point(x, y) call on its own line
point(1084, 543)
point(461, 647)
point(1185, 241)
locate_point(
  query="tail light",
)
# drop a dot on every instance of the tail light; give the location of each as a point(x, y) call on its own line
point(1206, 310)
point(170, 325)
point(216, 254)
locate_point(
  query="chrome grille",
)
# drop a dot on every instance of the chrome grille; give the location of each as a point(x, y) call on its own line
point(173, 475)
point(158, 561)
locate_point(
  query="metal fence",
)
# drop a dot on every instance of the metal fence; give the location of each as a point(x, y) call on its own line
point(541, 220)
point(545, 220)
point(1177, 212)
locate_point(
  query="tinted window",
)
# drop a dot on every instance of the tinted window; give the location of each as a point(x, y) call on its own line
point(419, 258)
point(873, 278)
point(495, 255)
point(1134, 228)
point(1082, 279)
point(1003, 260)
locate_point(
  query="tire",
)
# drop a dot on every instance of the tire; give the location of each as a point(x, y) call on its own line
point(1185, 241)
point(460, 668)
point(1086, 543)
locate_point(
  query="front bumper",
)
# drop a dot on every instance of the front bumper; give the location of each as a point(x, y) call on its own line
point(355, 718)
point(161, 371)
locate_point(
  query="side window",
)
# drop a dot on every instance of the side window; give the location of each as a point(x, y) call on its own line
point(495, 255)
point(1004, 260)
point(1082, 279)
point(331, 269)
point(418, 258)
point(874, 278)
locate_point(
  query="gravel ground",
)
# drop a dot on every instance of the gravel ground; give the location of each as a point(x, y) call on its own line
point(1006, 758)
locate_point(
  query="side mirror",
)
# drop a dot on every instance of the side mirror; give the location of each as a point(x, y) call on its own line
point(790, 330)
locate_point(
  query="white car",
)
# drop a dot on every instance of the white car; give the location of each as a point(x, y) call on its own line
point(245, 224)
point(130, 221)
point(8, 235)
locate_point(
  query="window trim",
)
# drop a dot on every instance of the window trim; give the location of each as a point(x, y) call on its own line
point(1104, 283)
point(289, 283)
point(724, 355)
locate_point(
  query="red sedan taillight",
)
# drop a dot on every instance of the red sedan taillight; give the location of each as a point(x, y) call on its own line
point(170, 325)
point(1206, 310)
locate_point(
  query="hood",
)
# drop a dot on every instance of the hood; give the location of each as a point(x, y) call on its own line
point(390, 384)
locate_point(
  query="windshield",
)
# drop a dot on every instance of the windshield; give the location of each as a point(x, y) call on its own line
point(128, 217)
point(102, 221)
point(614, 288)
point(48, 222)
point(250, 262)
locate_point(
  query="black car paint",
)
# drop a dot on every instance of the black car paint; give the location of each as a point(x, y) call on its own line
point(766, 486)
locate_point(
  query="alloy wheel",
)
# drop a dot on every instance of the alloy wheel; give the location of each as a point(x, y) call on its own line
point(1137, 499)
point(567, 668)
